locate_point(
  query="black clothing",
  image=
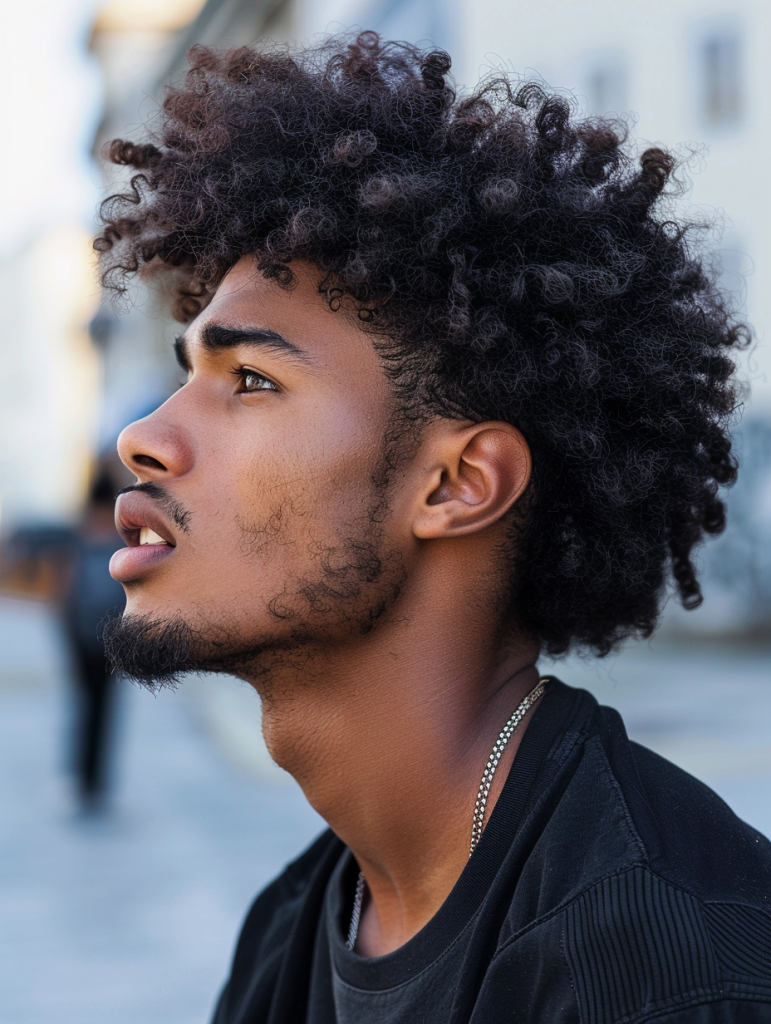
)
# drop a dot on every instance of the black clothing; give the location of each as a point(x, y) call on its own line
point(609, 887)
point(96, 685)
point(92, 594)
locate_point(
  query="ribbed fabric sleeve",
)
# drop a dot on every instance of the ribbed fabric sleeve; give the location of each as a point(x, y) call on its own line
point(741, 937)
point(633, 943)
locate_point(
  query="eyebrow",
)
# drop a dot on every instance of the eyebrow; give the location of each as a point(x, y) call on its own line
point(217, 336)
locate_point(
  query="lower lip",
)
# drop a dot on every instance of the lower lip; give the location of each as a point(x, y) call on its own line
point(129, 564)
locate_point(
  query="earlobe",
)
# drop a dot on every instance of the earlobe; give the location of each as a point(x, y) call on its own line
point(479, 473)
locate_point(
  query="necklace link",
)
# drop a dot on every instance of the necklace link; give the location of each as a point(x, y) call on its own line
point(479, 807)
point(478, 824)
point(353, 929)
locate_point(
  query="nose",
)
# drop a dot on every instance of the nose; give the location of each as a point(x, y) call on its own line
point(156, 446)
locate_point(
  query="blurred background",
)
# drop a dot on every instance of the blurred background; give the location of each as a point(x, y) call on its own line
point(135, 829)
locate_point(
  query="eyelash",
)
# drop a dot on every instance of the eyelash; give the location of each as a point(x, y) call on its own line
point(243, 372)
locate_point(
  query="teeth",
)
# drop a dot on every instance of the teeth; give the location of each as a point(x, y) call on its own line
point(148, 536)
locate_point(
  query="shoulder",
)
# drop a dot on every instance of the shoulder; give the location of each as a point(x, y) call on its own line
point(623, 805)
point(634, 948)
point(689, 835)
point(271, 913)
point(664, 949)
point(269, 924)
point(683, 917)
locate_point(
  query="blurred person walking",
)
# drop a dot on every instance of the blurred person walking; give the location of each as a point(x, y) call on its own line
point(90, 593)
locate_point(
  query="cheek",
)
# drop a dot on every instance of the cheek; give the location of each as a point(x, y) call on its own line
point(310, 478)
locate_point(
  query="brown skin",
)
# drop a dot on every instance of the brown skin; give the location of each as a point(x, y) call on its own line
point(386, 730)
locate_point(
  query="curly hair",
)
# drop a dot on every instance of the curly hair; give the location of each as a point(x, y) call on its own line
point(513, 261)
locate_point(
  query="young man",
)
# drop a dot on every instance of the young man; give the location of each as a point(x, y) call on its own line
point(458, 391)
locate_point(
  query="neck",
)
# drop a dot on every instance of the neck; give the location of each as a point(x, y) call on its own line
point(388, 737)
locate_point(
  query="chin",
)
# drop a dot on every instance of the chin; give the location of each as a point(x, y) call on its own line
point(152, 651)
point(158, 651)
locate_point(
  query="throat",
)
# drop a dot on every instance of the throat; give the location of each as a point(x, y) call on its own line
point(395, 767)
point(377, 929)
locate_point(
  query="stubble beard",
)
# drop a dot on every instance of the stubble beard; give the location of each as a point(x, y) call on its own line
point(352, 585)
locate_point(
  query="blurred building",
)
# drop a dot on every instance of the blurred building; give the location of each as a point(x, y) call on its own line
point(694, 75)
point(50, 377)
point(132, 41)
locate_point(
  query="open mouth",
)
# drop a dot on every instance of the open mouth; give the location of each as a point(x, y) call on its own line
point(148, 537)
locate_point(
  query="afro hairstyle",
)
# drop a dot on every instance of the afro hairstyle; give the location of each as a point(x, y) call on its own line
point(512, 260)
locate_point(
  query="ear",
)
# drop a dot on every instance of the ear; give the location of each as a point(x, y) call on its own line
point(473, 475)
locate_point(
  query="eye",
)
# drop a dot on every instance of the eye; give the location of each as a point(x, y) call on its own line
point(253, 381)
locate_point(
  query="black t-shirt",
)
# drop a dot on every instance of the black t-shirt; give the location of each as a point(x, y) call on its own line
point(609, 887)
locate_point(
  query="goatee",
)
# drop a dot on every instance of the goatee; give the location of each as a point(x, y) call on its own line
point(148, 651)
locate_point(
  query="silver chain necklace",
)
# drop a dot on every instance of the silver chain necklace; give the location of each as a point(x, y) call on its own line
point(478, 823)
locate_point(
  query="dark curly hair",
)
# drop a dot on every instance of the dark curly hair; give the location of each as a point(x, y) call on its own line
point(515, 262)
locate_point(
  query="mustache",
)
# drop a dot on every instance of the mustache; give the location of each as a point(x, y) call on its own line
point(174, 509)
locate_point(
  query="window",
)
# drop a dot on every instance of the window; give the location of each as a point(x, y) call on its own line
point(734, 265)
point(602, 82)
point(606, 88)
point(721, 72)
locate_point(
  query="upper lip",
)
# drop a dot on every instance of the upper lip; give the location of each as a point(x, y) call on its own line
point(136, 510)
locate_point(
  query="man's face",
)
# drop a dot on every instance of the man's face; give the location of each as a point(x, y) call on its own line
point(265, 473)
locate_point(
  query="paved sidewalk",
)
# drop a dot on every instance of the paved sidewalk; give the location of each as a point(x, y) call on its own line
point(131, 919)
point(128, 919)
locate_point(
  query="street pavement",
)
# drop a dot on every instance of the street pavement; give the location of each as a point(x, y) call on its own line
point(131, 916)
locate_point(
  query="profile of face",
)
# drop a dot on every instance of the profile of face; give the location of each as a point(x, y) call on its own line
point(265, 517)
point(283, 500)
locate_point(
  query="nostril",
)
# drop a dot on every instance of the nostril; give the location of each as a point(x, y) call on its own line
point(148, 461)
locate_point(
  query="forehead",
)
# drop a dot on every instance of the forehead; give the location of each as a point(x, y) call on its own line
point(245, 301)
